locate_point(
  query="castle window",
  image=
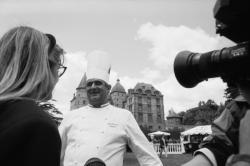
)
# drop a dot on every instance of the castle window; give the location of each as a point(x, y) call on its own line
point(149, 108)
point(150, 118)
point(140, 117)
point(139, 99)
point(148, 92)
point(159, 118)
point(149, 100)
point(139, 90)
point(158, 101)
point(130, 108)
point(140, 107)
point(158, 108)
point(157, 93)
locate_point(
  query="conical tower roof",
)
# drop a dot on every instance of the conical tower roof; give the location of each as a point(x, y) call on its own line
point(118, 87)
point(83, 82)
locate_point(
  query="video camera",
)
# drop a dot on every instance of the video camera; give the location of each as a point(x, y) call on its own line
point(232, 63)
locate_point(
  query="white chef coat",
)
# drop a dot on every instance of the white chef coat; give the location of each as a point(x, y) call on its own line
point(103, 133)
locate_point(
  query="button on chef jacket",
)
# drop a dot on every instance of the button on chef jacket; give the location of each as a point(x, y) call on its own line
point(103, 133)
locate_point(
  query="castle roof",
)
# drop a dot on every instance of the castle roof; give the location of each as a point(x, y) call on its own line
point(172, 114)
point(83, 82)
point(146, 88)
point(118, 87)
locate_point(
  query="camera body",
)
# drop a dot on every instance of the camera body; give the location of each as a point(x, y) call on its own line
point(231, 19)
point(230, 63)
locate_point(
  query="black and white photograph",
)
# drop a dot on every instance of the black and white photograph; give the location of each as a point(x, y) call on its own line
point(124, 83)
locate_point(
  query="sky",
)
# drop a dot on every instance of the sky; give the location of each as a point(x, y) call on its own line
point(142, 38)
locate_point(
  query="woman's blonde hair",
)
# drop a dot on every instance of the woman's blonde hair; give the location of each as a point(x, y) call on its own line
point(26, 63)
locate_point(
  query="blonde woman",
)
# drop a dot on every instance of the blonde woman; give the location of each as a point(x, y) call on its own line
point(30, 65)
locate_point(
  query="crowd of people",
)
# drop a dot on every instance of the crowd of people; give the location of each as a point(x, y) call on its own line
point(31, 63)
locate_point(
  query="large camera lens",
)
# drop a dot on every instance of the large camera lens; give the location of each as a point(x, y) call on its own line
point(233, 63)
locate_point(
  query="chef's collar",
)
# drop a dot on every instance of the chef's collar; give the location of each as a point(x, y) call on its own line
point(103, 105)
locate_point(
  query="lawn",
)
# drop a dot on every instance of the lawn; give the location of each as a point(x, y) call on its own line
point(171, 160)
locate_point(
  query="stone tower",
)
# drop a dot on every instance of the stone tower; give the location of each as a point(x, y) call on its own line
point(80, 97)
point(118, 95)
point(146, 104)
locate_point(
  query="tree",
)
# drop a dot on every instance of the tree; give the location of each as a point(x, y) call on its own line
point(204, 114)
point(182, 113)
point(201, 103)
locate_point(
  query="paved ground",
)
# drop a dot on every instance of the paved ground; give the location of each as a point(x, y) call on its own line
point(170, 160)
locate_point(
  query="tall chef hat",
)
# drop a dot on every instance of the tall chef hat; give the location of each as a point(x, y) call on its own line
point(98, 66)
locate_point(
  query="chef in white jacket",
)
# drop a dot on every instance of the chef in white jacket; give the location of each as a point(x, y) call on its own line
point(100, 130)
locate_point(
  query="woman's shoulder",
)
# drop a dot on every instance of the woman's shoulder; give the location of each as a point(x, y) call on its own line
point(21, 107)
point(23, 111)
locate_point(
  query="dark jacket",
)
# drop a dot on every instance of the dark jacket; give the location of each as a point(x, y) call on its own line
point(28, 135)
point(162, 143)
point(224, 139)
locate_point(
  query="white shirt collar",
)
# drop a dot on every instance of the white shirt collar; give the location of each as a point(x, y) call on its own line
point(103, 105)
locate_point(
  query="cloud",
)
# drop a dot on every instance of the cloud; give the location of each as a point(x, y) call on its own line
point(147, 75)
point(151, 74)
point(166, 43)
point(181, 99)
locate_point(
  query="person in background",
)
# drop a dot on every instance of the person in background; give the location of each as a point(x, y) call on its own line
point(30, 66)
point(151, 139)
point(166, 147)
point(162, 145)
point(100, 130)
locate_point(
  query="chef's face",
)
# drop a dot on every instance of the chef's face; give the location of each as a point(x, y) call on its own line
point(97, 92)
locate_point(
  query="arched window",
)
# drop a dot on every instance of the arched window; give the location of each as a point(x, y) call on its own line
point(148, 91)
point(139, 90)
point(156, 92)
